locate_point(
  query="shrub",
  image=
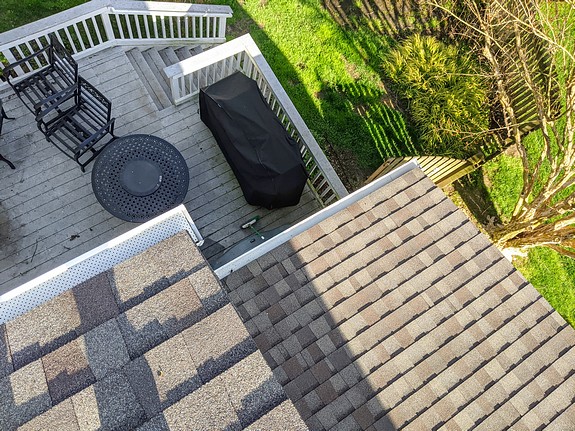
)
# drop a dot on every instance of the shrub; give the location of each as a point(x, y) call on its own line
point(445, 95)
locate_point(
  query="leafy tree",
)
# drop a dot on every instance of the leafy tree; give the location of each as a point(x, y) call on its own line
point(528, 46)
point(445, 94)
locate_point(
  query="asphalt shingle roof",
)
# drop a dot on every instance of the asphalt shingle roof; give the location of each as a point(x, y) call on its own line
point(152, 344)
point(397, 312)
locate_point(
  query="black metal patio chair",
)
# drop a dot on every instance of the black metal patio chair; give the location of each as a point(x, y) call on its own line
point(54, 70)
point(77, 121)
point(3, 117)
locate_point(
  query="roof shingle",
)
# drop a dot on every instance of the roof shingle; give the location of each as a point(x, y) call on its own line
point(152, 344)
point(413, 314)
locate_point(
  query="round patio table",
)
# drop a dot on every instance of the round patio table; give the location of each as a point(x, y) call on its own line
point(138, 177)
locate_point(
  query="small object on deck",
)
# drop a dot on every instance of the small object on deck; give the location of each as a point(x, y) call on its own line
point(250, 225)
point(245, 245)
point(138, 177)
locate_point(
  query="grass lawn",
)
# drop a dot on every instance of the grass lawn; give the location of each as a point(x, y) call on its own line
point(552, 274)
point(15, 13)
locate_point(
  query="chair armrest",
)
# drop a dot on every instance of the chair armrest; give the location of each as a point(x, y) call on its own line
point(96, 136)
point(53, 102)
point(11, 66)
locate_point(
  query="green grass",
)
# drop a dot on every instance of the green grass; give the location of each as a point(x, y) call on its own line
point(15, 13)
point(505, 176)
point(553, 276)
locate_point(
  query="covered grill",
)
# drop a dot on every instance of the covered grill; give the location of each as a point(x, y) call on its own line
point(265, 159)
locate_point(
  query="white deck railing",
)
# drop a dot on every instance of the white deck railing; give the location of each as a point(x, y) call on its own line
point(99, 24)
point(242, 54)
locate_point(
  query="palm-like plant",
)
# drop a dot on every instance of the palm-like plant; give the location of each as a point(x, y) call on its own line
point(445, 94)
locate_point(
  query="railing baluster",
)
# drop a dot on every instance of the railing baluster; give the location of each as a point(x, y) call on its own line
point(37, 63)
point(120, 29)
point(70, 40)
point(21, 53)
point(138, 25)
point(187, 27)
point(155, 22)
point(201, 26)
point(171, 21)
point(11, 59)
point(163, 18)
point(179, 27)
point(88, 33)
point(129, 25)
point(194, 27)
point(79, 35)
point(57, 34)
point(97, 29)
point(147, 26)
point(207, 26)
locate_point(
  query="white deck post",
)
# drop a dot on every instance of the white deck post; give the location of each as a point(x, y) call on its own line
point(108, 25)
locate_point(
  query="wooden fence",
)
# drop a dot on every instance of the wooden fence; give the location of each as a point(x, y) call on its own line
point(441, 170)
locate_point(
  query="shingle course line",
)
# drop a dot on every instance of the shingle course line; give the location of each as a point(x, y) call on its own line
point(414, 367)
point(359, 269)
point(494, 381)
point(405, 302)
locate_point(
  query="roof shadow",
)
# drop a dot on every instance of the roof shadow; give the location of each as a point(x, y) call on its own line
point(297, 325)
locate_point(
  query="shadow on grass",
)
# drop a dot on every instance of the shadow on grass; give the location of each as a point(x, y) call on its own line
point(354, 122)
point(474, 193)
point(389, 18)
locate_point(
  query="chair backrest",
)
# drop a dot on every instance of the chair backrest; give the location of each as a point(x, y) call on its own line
point(93, 101)
point(50, 109)
point(62, 61)
point(2, 116)
point(81, 104)
point(50, 69)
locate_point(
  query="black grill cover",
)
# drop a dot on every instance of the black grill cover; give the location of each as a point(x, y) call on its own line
point(265, 159)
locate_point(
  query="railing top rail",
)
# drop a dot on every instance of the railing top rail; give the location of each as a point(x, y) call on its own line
point(295, 117)
point(206, 58)
point(59, 20)
point(53, 21)
point(156, 6)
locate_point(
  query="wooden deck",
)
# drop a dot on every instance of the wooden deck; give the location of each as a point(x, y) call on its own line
point(48, 212)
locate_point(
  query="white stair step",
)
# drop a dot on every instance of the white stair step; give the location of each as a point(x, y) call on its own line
point(169, 56)
point(157, 65)
point(153, 86)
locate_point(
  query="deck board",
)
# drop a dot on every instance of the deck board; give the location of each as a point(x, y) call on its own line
point(48, 212)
